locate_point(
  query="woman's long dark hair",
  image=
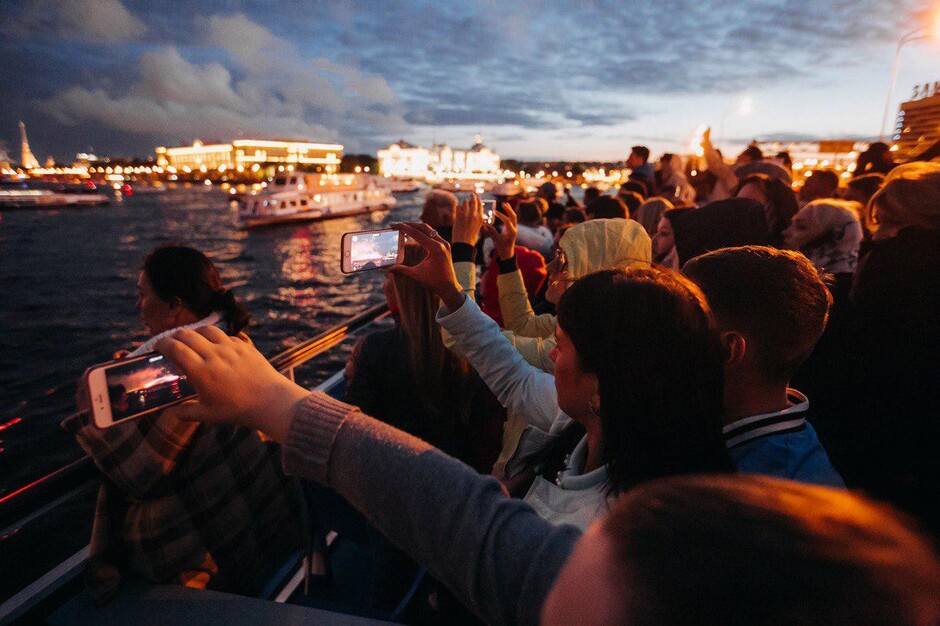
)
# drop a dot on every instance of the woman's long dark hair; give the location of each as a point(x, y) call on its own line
point(649, 337)
point(188, 274)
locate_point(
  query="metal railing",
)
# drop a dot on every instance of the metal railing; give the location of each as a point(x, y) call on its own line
point(21, 506)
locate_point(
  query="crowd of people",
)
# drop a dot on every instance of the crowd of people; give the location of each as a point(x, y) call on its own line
point(708, 400)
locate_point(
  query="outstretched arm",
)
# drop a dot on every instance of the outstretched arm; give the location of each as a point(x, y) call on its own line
point(493, 552)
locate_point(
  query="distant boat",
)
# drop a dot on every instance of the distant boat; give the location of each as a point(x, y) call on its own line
point(464, 185)
point(400, 185)
point(47, 199)
point(299, 197)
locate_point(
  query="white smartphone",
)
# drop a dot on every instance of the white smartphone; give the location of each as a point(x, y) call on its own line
point(489, 211)
point(128, 388)
point(371, 250)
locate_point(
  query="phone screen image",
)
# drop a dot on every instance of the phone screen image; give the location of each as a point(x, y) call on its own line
point(373, 250)
point(489, 211)
point(144, 384)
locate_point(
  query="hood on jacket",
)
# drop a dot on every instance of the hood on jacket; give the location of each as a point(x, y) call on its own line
point(605, 244)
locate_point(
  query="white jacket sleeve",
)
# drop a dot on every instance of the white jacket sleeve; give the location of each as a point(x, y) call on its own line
point(520, 387)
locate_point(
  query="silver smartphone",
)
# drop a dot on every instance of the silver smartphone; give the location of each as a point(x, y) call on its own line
point(371, 250)
point(129, 388)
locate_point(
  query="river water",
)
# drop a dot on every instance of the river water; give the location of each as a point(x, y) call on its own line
point(68, 288)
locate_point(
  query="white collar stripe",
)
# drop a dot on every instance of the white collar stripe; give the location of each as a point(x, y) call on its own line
point(776, 428)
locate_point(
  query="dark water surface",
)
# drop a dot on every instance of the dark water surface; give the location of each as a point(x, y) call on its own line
point(68, 288)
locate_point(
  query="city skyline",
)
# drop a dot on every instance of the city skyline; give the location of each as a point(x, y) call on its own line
point(538, 80)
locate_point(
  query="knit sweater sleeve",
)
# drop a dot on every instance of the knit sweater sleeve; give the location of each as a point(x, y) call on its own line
point(518, 315)
point(495, 553)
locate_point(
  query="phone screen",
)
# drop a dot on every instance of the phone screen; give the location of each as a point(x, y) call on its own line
point(144, 384)
point(371, 250)
point(489, 211)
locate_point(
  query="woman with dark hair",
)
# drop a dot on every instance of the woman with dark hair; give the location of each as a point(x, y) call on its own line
point(664, 239)
point(180, 287)
point(779, 201)
point(196, 504)
point(596, 428)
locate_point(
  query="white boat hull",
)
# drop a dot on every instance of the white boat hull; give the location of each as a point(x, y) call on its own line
point(282, 203)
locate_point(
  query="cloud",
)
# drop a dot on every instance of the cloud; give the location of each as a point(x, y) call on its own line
point(95, 21)
point(349, 72)
point(140, 114)
point(166, 76)
point(264, 86)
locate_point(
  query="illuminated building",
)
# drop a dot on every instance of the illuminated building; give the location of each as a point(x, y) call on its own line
point(839, 156)
point(918, 123)
point(247, 153)
point(405, 160)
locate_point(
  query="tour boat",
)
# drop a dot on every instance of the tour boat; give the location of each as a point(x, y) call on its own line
point(47, 199)
point(296, 196)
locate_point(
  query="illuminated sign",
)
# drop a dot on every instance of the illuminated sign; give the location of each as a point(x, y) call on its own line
point(926, 90)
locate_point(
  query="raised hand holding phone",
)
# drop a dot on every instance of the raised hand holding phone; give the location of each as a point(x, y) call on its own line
point(435, 271)
point(468, 220)
point(504, 241)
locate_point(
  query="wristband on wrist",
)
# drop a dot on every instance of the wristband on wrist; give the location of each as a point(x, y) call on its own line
point(462, 252)
point(507, 266)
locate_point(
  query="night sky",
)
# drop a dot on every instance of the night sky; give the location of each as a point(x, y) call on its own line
point(536, 79)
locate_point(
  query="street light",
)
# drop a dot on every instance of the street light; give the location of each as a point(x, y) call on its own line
point(914, 35)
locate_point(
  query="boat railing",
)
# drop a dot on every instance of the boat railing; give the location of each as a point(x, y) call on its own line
point(27, 503)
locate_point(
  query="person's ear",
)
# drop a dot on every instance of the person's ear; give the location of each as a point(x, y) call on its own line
point(175, 306)
point(735, 347)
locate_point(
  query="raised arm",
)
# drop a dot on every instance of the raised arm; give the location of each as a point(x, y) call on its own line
point(493, 552)
point(716, 164)
point(518, 315)
point(521, 387)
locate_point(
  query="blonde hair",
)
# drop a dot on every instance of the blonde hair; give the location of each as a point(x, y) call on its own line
point(910, 197)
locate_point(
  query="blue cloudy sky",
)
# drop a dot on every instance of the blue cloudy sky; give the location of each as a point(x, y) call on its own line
point(538, 79)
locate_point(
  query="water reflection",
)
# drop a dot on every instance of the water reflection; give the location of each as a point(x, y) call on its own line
point(67, 293)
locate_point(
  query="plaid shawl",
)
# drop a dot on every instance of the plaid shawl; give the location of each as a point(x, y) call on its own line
point(204, 505)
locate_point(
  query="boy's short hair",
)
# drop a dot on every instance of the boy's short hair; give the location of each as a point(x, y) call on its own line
point(776, 298)
point(641, 151)
point(793, 553)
